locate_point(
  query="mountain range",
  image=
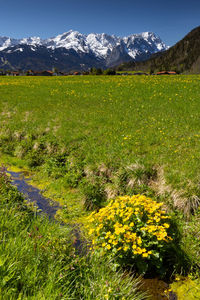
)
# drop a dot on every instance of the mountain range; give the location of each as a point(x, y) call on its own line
point(183, 57)
point(76, 51)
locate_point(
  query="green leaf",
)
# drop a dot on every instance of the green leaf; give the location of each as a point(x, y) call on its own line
point(1, 262)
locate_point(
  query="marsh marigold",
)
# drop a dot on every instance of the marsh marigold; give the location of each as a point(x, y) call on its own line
point(135, 226)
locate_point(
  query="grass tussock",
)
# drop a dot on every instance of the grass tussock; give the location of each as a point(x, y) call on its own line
point(176, 198)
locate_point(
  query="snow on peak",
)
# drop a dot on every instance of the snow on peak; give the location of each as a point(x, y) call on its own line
point(6, 42)
point(32, 41)
point(101, 45)
point(147, 42)
point(68, 40)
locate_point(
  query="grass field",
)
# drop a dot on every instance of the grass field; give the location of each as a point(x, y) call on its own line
point(115, 121)
point(104, 136)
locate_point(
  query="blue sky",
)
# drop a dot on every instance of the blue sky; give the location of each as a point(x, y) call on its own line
point(171, 20)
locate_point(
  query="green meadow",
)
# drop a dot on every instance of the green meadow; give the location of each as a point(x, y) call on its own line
point(89, 139)
point(117, 119)
point(114, 121)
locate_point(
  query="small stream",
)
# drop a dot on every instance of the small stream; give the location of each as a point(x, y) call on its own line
point(45, 205)
point(33, 194)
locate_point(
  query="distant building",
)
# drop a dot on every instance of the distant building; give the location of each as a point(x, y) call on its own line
point(14, 73)
point(77, 73)
point(166, 73)
point(140, 73)
point(40, 73)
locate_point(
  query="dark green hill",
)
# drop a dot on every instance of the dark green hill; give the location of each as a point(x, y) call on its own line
point(182, 57)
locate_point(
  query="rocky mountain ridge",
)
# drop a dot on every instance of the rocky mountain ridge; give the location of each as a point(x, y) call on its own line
point(77, 51)
point(183, 57)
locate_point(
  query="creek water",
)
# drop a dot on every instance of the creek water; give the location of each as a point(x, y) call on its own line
point(45, 205)
point(33, 194)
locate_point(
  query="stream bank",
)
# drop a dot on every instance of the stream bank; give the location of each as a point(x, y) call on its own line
point(43, 205)
point(33, 194)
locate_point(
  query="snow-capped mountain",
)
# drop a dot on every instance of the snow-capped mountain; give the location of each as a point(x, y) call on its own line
point(107, 50)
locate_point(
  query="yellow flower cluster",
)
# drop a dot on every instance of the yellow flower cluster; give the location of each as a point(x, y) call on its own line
point(129, 224)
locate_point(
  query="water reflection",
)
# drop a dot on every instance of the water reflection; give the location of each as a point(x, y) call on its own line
point(33, 194)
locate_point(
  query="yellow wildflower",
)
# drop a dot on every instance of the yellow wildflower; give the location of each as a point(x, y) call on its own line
point(145, 255)
point(125, 248)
